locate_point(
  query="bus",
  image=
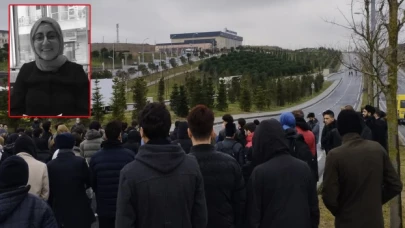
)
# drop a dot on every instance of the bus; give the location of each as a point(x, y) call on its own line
point(401, 108)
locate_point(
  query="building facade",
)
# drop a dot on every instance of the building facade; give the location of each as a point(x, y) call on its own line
point(74, 21)
point(202, 40)
point(133, 49)
point(3, 38)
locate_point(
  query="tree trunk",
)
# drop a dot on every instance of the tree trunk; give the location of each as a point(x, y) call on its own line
point(370, 91)
point(393, 140)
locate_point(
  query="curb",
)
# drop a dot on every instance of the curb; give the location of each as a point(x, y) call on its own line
point(304, 107)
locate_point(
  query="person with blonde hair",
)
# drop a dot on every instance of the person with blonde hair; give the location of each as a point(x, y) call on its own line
point(61, 129)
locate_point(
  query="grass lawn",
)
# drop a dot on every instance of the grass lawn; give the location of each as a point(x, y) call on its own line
point(3, 66)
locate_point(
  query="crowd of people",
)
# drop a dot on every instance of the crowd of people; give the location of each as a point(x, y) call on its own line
point(252, 174)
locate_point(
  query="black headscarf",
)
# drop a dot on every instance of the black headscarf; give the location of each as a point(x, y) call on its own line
point(269, 141)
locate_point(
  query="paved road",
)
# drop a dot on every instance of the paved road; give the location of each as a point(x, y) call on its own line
point(347, 93)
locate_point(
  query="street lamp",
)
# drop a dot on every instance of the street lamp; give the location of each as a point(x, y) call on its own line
point(143, 50)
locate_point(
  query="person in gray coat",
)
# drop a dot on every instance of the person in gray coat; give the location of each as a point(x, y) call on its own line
point(93, 141)
point(314, 125)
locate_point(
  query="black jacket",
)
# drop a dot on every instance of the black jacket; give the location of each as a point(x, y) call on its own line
point(69, 178)
point(105, 167)
point(330, 137)
point(233, 148)
point(19, 209)
point(281, 190)
point(182, 137)
point(224, 187)
point(38, 93)
point(163, 187)
point(381, 133)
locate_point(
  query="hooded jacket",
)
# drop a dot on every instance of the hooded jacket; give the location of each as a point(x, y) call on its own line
point(91, 144)
point(281, 191)
point(305, 130)
point(163, 187)
point(19, 209)
point(315, 128)
point(224, 187)
point(182, 137)
point(330, 137)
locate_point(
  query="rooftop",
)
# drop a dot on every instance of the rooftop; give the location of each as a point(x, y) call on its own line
point(206, 34)
point(197, 41)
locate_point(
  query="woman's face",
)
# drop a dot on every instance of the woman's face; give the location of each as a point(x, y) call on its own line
point(46, 42)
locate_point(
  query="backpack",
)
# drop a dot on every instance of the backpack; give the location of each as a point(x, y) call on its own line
point(299, 148)
point(231, 151)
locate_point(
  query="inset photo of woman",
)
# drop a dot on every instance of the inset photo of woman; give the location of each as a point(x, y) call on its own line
point(49, 61)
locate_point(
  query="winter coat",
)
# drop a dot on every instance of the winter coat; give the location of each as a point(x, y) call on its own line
point(249, 139)
point(91, 144)
point(19, 209)
point(173, 134)
point(69, 178)
point(233, 148)
point(314, 125)
point(381, 135)
point(224, 187)
point(38, 176)
point(358, 179)
point(330, 137)
point(39, 93)
point(163, 187)
point(304, 129)
point(134, 139)
point(281, 190)
point(105, 167)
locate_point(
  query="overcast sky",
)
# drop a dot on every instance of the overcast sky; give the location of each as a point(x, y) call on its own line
point(286, 23)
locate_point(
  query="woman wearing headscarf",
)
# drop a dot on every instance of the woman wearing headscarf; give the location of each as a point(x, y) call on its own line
point(38, 172)
point(51, 85)
point(281, 192)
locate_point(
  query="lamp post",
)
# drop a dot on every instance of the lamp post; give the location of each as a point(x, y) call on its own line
point(143, 50)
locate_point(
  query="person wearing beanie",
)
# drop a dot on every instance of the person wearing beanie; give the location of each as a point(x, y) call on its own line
point(301, 139)
point(313, 123)
point(25, 148)
point(18, 207)
point(230, 146)
point(359, 177)
point(69, 178)
point(182, 137)
point(92, 142)
point(330, 136)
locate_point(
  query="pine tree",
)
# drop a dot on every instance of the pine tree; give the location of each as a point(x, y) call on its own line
point(210, 93)
point(140, 90)
point(245, 100)
point(182, 106)
point(97, 98)
point(280, 93)
point(231, 94)
point(161, 90)
point(174, 97)
point(260, 98)
point(118, 111)
point(236, 87)
point(197, 97)
point(222, 104)
point(190, 88)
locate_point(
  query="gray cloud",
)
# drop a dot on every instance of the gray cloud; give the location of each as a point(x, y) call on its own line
point(286, 23)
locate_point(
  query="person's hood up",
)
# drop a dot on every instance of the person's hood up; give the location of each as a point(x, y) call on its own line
point(301, 123)
point(287, 120)
point(269, 141)
point(25, 144)
point(10, 200)
point(163, 158)
point(182, 131)
point(93, 134)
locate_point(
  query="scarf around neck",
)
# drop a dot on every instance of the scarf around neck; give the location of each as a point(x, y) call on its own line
point(60, 59)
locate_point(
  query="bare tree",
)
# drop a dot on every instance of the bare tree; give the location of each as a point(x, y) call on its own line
point(377, 59)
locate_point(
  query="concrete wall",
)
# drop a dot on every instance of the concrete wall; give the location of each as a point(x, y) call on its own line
point(184, 46)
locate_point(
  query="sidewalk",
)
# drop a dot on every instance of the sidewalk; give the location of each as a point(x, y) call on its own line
point(315, 100)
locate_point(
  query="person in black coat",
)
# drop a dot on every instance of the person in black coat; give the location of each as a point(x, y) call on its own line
point(133, 141)
point(281, 192)
point(18, 208)
point(381, 130)
point(173, 134)
point(51, 85)
point(105, 167)
point(330, 135)
point(163, 187)
point(182, 137)
point(223, 181)
point(69, 177)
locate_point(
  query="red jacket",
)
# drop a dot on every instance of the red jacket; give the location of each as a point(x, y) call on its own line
point(309, 138)
point(249, 139)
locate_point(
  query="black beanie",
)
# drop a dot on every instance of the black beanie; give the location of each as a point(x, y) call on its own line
point(13, 173)
point(24, 143)
point(349, 122)
point(65, 141)
point(230, 129)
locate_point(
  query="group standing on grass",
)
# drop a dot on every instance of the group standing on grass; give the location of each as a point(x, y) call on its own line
point(253, 174)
